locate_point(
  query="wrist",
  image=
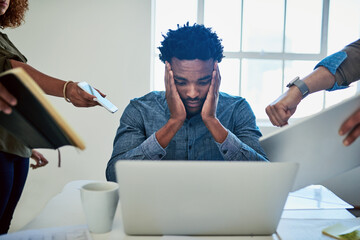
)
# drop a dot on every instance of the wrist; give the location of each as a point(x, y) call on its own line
point(216, 129)
point(176, 123)
point(209, 119)
point(302, 87)
point(177, 118)
point(66, 90)
point(295, 94)
point(168, 131)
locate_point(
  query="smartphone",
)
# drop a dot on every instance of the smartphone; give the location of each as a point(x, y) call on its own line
point(102, 101)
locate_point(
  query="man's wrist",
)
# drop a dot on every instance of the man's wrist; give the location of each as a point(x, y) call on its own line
point(176, 121)
point(209, 120)
point(216, 129)
point(295, 93)
point(168, 131)
point(300, 85)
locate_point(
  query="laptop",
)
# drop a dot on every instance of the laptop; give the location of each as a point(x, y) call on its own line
point(203, 197)
point(315, 144)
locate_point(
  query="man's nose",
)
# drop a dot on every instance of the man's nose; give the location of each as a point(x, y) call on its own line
point(192, 91)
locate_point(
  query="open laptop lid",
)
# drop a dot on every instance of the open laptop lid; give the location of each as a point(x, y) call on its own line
point(314, 143)
point(203, 197)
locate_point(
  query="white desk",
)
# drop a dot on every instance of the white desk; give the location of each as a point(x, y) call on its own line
point(306, 213)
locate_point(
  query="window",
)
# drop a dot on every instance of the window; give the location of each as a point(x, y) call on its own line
point(265, 47)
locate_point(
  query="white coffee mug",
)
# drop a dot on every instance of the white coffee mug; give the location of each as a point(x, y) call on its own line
point(100, 200)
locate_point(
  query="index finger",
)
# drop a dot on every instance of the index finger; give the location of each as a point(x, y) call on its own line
point(349, 123)
point(102, 94)
point(169, 78)
point(6, 96)
point(166, 77)
point(217, 76)
point(85, 95)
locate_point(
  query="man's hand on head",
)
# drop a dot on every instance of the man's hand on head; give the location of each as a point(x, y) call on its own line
point(208, 112)
point(210, 105)
point(175, 104)
point(176, 108)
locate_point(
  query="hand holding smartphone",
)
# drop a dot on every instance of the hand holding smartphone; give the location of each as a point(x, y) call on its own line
point(102, 101)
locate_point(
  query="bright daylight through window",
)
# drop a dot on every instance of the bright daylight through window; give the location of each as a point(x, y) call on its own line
point(265, 47)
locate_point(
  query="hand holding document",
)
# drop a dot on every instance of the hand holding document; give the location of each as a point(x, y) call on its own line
point(34, 120)
point(315, 144)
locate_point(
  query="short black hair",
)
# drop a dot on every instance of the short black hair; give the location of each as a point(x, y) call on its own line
point(190, 43)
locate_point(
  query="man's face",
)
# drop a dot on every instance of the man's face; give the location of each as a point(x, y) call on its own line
point(192, 79)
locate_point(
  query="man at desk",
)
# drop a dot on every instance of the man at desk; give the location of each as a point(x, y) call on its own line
point(191, 120)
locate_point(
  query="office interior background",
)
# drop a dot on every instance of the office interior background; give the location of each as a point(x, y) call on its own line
point(113, 46)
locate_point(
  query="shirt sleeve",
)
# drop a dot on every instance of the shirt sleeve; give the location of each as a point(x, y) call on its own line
point(131, 142)
point(4, 60)
point(243, 142)
point(5, 57)
point(344, 65)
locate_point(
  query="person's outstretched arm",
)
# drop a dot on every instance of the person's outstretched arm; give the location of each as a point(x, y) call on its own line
point(55, 87)
point(334, 72)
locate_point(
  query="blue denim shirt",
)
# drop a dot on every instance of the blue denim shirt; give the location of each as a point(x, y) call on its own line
point(332, 63)
point(344, 65)
point(135, 137)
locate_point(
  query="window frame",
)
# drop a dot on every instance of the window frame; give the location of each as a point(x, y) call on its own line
point(240, 55)
point(283, 56)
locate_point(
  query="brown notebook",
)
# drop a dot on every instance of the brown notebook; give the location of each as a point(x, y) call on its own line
point(34, 121)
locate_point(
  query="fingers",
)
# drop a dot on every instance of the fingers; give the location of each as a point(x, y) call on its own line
point(169, 81)
point(349, 123)
point(210, 105)
point(4, 107)
point(284, 107)
point(6, 100)
point(352, 127)
point(215, 80)
point(79, 97)
point(176, 106)
point(166, 78)
point(278, 115)
point(270, 112)
point(352, 136)
point(40, 160)
point(102, 94)
point(169, 77)
point(217, 76)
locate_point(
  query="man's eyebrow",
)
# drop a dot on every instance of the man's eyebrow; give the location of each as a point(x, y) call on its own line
point(205, 78)
point(180, 78)
point(184, 79)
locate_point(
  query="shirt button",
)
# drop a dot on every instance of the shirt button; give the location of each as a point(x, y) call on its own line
point(225, 151)
point(190, 125)
point(160, 155)
point(190, 147)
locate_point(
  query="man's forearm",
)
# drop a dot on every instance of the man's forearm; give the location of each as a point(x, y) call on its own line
point(319, 79)
point(168, 131)
point(216, 129)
